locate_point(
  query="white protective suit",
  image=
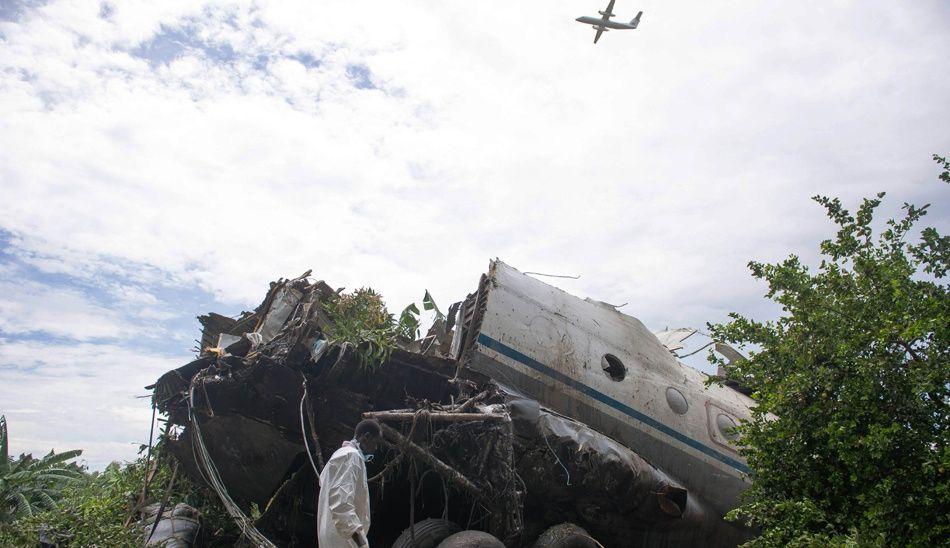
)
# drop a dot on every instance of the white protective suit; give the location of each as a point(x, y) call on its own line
point(343, 506)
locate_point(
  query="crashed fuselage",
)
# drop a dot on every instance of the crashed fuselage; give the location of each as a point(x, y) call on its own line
point(597, 423)
point(588, 361)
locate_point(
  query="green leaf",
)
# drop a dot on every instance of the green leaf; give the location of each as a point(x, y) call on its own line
point(56, 458)
point(60, 474)
point(429, 304)
point(47, 500)
point(409, 322)
point(19, 475)
point(23, 506)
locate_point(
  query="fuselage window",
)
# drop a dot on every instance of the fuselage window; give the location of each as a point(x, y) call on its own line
point(613, 367)
point(727, 427)
point(677, 401)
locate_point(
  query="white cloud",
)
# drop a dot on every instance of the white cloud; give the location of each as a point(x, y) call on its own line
point(78, 396)
point(654, 164)
point(28, 307)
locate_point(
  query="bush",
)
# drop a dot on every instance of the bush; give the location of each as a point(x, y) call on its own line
point(90, 512)
point(94, 510)
point(848, 444)
point(361, 322)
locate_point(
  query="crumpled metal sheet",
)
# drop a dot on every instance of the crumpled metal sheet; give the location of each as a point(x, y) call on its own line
point(601, 464)
point(280, 309)
point(574, 473)
point(673, 339)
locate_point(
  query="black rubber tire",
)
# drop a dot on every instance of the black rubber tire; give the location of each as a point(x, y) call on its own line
point(471, 539)
point(429, 533)
point(566, 535)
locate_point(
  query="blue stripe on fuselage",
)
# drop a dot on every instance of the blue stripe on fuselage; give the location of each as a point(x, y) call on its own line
point(510, 352)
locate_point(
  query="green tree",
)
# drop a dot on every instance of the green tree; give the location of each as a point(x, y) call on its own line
point(101, 508)
point(29, 485)
point(848, 443)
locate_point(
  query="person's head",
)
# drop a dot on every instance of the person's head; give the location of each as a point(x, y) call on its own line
point(369, 434)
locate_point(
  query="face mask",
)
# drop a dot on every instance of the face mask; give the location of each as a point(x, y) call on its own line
point(366, 457)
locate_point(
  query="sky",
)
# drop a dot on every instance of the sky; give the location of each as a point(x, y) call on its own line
point(159, 160)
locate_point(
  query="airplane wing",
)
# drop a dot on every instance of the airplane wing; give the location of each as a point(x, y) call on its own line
point(600, 30)
point(609, 12)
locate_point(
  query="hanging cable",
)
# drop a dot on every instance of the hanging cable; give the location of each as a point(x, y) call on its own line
point(303, 431)
point(558, 459)
point(244, 522)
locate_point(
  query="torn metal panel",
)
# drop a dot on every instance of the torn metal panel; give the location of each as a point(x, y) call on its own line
point(732, 356)
point(729, 352)
point(673, 339)
point(280, 309)
point(225, 340)
point(212, 325)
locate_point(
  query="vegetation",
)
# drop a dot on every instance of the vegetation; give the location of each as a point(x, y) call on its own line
point(362, 323)
point(89, 512)
point(849, 442)
point(98, 508)
point(29, 485)
point(408, 325)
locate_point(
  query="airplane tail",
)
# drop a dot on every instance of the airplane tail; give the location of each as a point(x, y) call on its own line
point(636, 20)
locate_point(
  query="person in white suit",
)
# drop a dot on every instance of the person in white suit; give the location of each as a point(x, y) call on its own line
point(343, 506)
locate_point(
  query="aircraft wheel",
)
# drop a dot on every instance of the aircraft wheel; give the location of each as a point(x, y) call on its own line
point(471, 539)
point(429, 533)
point(566, 535)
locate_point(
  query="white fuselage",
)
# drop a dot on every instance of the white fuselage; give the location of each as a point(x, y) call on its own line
point(554, 347)
point(604, 22)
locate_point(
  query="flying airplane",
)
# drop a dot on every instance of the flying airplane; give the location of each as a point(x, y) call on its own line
point(604, 23)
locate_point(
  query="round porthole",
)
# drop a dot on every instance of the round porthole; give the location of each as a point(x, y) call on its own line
point(727, 427)
point(613, 367)
point(677, 401)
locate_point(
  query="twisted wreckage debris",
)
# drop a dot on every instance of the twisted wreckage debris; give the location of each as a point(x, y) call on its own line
point(484, 446)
